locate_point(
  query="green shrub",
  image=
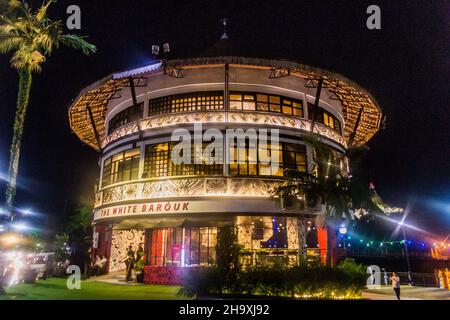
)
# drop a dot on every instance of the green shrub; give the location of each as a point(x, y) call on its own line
point(345, 281)
point(202, 282)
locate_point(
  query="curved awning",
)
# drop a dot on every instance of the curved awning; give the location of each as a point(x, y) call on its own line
point(88, 111)
point(174, 222)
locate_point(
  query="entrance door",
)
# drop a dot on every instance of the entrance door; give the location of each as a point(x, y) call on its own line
point(164, 247)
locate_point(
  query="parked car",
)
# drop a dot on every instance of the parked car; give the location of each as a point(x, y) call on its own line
point(43, 265)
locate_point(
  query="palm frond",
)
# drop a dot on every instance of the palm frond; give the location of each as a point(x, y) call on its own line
point(44, 42)
point(10, 8)
point(13, 25)
point(77, 42)
point(32, 36)
point(41, 14)
point(9, 43)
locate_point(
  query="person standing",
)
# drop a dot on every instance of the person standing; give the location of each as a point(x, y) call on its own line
point(129, 263)
point(386, 278)
point(396, 284)
point(140, 252)
point(139, 265)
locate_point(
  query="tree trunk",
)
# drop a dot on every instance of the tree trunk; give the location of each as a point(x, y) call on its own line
point(22, 104)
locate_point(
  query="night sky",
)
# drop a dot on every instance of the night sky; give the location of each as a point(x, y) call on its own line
point(405, 65)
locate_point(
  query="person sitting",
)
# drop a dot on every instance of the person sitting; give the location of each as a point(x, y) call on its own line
point(102, 265)
point(96, 266)
point(66, 264)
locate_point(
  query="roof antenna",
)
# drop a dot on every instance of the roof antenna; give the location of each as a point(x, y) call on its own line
point(224, 21)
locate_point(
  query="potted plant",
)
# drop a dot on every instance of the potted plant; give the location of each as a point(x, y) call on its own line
point(139, 267)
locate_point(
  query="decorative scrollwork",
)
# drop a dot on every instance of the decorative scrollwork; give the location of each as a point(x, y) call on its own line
point(216, 186)
point(120, 241)
point(98, 199)
point(188, 187)
point(218, 117)
point(113, 194)
point(130, 191)
point(253, 187)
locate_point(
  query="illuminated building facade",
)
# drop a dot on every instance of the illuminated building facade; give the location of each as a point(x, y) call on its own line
point(175, 210)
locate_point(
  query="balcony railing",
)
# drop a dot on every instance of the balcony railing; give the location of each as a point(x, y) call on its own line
point(234, 117)
point(188, 186)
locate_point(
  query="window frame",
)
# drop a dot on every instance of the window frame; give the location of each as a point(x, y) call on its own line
point(273, 103)
point(114, 170)
point(186, 102)
point(125, 116)
point(323, 116)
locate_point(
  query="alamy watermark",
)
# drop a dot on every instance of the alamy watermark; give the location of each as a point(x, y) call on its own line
point(73, 22)
point(235, 146)
point(373, 22)
point(374, 279)
point(74, 280)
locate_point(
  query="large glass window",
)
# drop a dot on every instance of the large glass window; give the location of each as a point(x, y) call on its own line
point(125, 116)
point(166, 247)
point(247, 101)
point(294, 157)
point(324, 117)
point(158, 161)
point(201, 244)
point(251, 159)
point(195, 101)
point(121, 167)
point(263, 102)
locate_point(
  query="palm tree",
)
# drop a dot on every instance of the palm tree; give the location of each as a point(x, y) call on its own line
point(337, 195)
point(31, 37)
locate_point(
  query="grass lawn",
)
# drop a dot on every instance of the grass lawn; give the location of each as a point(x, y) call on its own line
point(56, 289)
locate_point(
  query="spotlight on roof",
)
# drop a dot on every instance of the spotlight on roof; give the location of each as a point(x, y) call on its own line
point(166, 48)
point(224, 22)
point(155, 50)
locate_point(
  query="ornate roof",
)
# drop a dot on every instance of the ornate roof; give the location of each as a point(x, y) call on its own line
point(88, 111)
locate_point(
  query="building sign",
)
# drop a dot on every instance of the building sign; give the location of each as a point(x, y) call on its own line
point(95, 240)
point(144, 208)
point(180, 207)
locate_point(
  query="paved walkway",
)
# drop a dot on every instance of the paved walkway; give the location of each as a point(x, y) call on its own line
point(117, 277)
point(384, 293)
point(408, 293)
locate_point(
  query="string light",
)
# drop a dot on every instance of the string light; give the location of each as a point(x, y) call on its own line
point(409, 243)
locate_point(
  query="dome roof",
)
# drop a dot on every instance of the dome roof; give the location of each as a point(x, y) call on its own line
point(221, 48)
point(88, 111)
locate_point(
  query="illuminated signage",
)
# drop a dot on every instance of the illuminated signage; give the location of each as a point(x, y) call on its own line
point(184, 207)
point(143, 208)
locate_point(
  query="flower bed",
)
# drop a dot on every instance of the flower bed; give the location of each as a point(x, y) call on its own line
point(163, 275)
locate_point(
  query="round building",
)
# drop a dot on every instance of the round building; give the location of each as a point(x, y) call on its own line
point(173, 209)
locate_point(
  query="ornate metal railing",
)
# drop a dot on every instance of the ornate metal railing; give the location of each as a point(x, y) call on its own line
point(235, 117)
point(191, 186)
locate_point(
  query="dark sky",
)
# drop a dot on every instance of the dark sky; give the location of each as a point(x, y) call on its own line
point(405, 65)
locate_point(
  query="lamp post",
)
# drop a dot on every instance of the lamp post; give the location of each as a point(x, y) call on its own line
point(408, 265)
point(343, 232)
point(405, 244)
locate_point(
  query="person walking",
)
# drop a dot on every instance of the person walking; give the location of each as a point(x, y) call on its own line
point(396, 284)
